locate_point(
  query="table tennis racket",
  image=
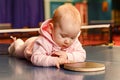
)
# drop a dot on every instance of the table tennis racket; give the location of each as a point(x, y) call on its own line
point(84, 66)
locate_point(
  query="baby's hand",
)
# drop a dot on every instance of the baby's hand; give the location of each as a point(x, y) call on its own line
point(61, 61)
point(60, 54)
point(62, 58)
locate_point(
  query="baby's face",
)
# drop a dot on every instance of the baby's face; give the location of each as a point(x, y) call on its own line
point(65, 34)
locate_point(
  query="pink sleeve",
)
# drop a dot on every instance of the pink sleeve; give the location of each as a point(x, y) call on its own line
point(77, 53)
point(40, 56)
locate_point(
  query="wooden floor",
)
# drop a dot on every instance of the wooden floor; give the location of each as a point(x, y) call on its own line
point(87, 40)
point(5, 37)
point(84, 42)
point(8, 41)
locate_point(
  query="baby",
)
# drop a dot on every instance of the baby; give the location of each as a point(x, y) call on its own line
point(57, 43)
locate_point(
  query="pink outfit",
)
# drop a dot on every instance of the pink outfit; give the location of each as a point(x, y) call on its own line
point(40, 49)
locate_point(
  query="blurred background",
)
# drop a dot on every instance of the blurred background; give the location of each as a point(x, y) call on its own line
point(20, 14)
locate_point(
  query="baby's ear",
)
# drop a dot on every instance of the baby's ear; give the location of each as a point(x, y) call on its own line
point(50, 27)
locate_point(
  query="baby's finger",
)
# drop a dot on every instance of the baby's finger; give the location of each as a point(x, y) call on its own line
point(57, 53)
point(58, 66)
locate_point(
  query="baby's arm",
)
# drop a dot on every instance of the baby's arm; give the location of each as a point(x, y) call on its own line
point(77, 53)
point(40, 57)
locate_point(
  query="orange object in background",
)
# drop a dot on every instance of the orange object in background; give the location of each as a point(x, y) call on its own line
point(104, 6)
point(82, 8)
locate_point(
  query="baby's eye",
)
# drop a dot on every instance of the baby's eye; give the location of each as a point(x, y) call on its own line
point(72, 37)
point(63, 35)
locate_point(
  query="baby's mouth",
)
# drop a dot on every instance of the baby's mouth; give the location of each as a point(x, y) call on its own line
point(64, 46)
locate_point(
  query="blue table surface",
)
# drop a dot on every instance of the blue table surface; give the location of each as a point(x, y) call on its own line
point(12, 68)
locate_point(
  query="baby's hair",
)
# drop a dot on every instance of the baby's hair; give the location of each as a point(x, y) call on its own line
point(64, 10)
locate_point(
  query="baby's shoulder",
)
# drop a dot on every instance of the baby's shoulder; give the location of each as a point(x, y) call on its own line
point(76, 43)
point(42, 40)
